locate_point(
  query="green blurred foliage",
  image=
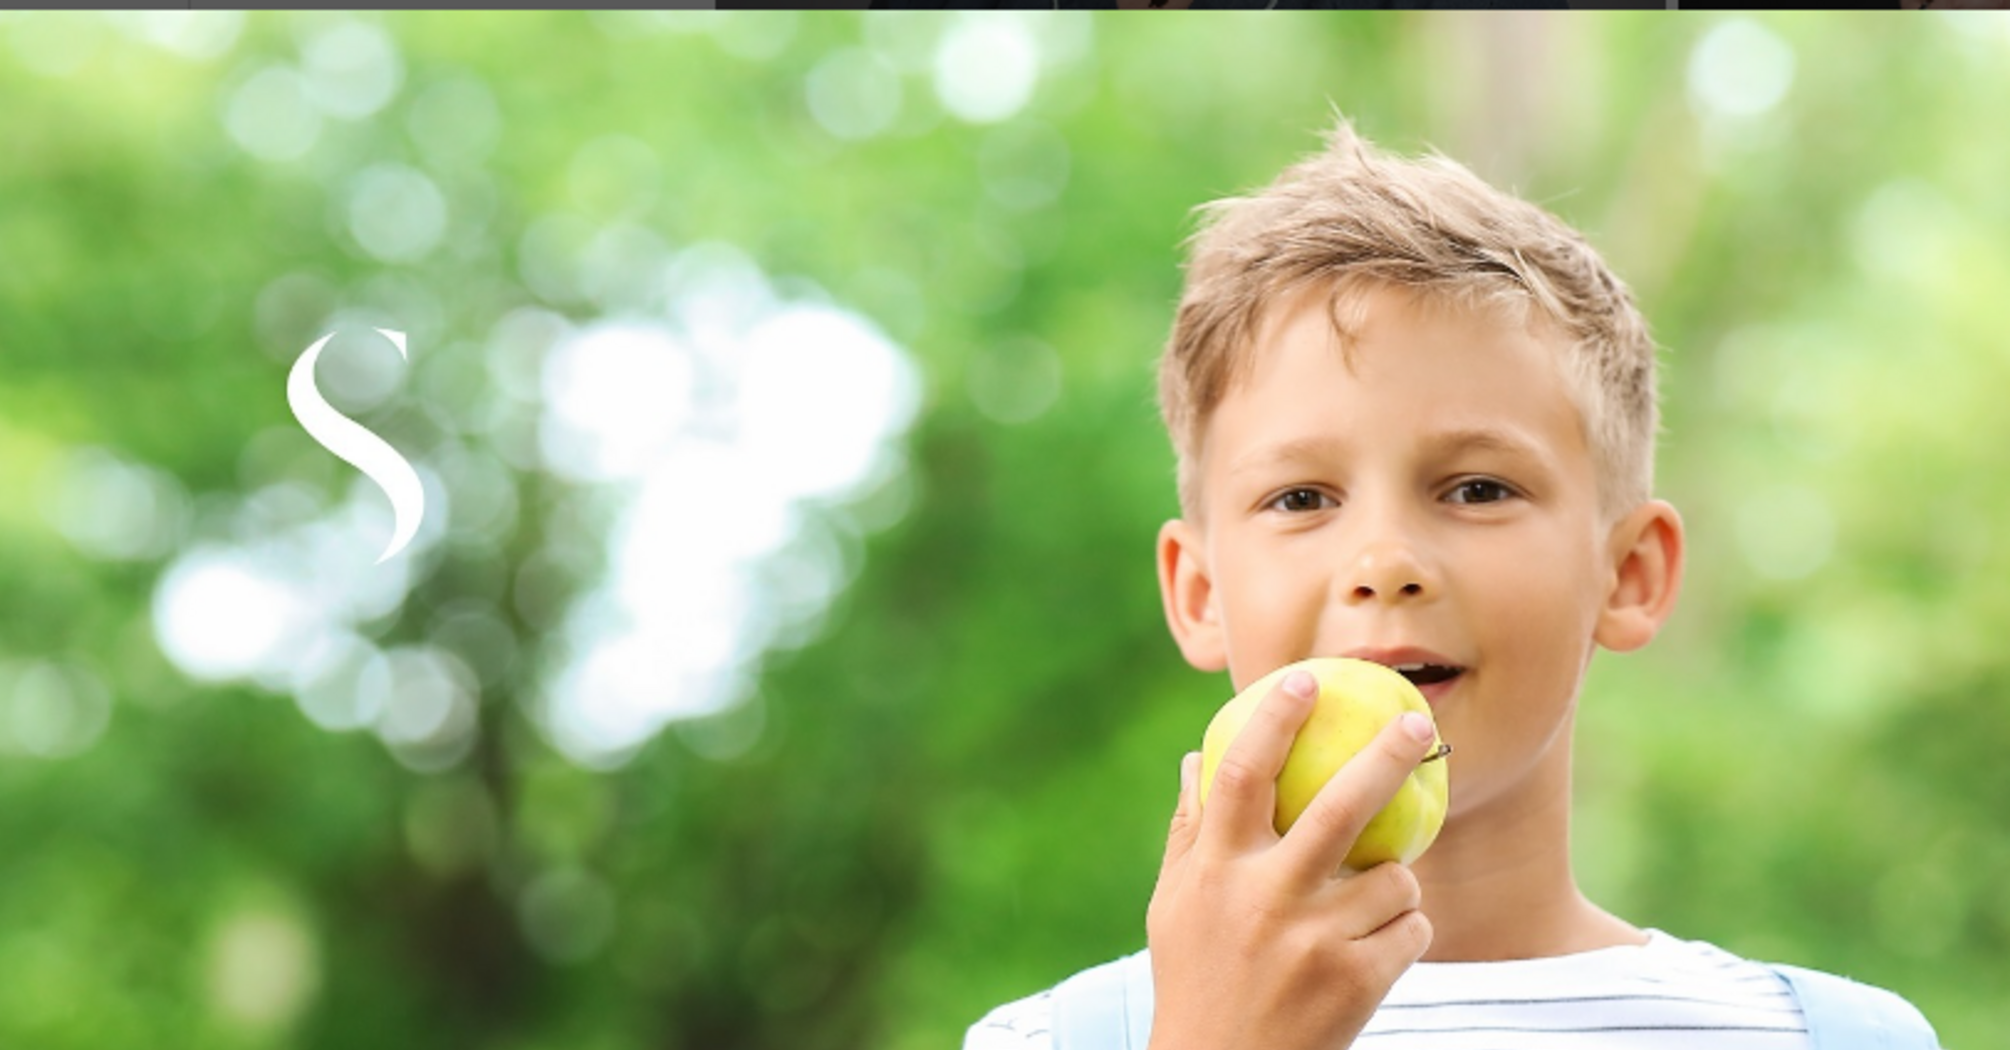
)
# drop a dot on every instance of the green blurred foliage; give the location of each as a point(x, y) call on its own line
point(955, 793)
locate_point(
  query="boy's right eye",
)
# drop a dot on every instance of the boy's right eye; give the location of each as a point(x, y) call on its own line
point(1300, 500)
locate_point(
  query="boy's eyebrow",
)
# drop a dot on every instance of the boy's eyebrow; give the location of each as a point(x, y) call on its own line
point(1441, 443)
point(1481, 439)
point(1292, 451)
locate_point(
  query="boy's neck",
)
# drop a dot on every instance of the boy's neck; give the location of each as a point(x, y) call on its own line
point(1498, 884)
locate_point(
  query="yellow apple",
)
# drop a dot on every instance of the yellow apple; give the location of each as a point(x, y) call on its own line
point(1356, 699)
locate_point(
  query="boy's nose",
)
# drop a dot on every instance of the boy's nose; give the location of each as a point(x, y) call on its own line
point(1387, 571)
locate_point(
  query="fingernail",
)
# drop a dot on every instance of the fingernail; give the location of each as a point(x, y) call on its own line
point(1300, 684)
point(1419, 727)
point(1186, 764)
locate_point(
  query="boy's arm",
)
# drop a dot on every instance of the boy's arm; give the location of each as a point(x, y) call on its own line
point(1254, 941)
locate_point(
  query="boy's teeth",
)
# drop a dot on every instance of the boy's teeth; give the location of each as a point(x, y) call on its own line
point(1408, 667)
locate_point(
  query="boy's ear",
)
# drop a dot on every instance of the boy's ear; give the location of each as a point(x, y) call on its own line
point(1188, 592)
point(1646, 548)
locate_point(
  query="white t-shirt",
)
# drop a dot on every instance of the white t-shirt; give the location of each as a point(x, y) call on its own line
point(1667, 994)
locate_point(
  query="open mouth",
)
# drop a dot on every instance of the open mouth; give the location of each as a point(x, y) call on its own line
point(1427, 674)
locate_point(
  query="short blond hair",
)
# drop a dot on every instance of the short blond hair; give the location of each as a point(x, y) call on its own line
point(1352, 217)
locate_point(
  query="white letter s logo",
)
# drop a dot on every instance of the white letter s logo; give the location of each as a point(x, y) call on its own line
point(356, 445)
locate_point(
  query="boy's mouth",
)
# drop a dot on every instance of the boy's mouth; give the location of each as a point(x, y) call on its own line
point(1421, 674)
point(1434, 675)
point(1432, 680)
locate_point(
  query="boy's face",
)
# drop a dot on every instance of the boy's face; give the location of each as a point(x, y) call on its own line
point(1435, 503)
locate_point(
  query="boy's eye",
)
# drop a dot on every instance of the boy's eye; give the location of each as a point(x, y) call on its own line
point(1299, 500)
point(1479, 490)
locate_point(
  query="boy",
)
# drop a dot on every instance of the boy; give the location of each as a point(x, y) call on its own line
point(1414, 420)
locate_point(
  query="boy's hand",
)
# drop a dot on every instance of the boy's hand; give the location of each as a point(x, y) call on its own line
point(1254, 941)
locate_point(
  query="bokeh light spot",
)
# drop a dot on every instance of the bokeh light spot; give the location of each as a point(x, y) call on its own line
point(264, 968)
point(853, 95)
point(115, 509)
point(1787, 532)
point(272, 117)
point(218, 619)
point(351, 70)
point(986, 67)
point(396, 213)
point(1024, 165)
point(616, 394)
point(567, 914)
point(199, 35)
point(1015, 381)
point(455, 123)
point(51, 710)
point(1740, 69)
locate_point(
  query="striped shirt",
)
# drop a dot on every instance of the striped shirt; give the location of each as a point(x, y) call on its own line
point(1663, 995)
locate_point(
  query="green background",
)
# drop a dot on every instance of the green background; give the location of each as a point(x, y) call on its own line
point(952, 790)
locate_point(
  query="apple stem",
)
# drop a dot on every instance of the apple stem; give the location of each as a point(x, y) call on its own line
point(1439, 752)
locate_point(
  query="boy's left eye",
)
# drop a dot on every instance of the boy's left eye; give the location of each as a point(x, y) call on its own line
point(1479, 490)
point(1300, 500)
